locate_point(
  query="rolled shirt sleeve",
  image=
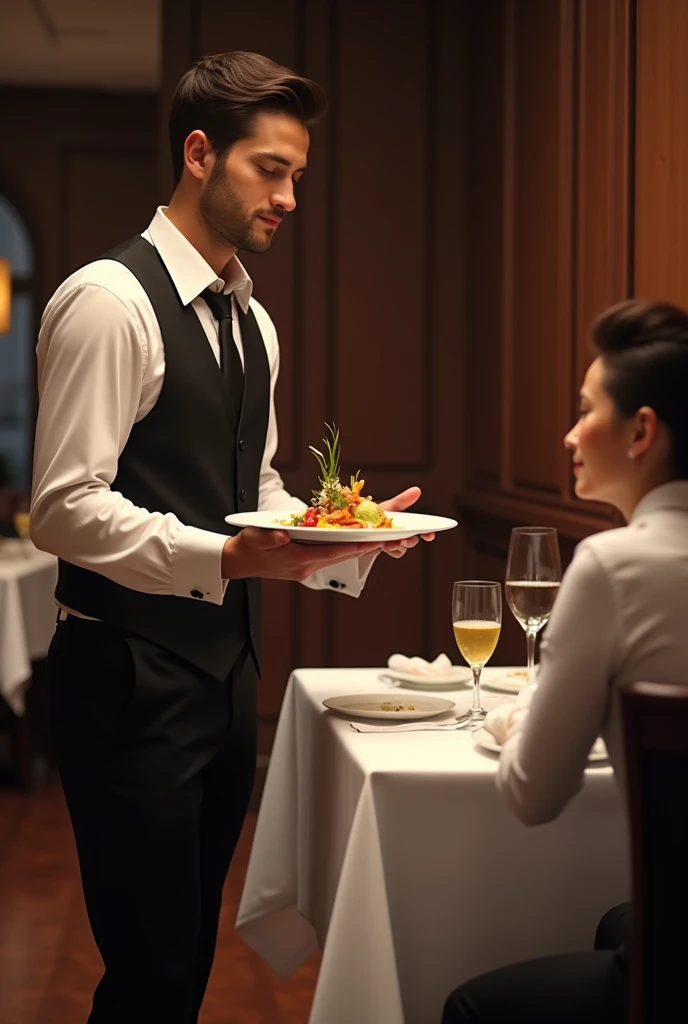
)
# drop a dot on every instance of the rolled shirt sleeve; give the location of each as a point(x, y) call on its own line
point(92, 361)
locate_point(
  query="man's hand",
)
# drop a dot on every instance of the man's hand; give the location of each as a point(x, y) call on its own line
point(399, 504)
point(271, 555)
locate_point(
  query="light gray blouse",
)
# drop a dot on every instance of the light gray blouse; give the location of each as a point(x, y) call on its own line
point(621, 615)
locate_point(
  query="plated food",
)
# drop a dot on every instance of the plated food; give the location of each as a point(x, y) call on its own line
point(336, 506)
point(341, 513)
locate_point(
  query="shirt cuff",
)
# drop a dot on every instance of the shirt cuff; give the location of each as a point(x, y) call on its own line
point(344, 577)
point(197, 565)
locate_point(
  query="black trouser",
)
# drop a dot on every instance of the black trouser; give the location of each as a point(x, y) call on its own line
point(157, 761)
point(576, 988)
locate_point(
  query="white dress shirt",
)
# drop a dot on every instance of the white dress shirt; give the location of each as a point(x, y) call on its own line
point(101, 363)
point(620, 616)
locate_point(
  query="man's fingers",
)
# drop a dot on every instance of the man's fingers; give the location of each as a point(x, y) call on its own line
point(335, 553)
point(361, 549)
point(266, 539)
point(397, 550)
point(402, 501)
point(401, 545)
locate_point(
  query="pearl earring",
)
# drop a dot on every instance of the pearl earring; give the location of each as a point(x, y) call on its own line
point(631, 453)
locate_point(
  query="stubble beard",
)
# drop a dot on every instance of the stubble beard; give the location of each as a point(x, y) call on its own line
point(226, 217)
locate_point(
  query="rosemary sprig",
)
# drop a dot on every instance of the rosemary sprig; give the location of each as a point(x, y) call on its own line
point(328, 465)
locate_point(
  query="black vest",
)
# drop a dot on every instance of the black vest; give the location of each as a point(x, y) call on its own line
point(193, 455)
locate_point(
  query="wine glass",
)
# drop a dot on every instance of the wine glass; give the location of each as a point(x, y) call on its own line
point(477, 620)
point(533, 575)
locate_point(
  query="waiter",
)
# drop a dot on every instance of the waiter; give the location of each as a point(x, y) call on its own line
point(156, 374)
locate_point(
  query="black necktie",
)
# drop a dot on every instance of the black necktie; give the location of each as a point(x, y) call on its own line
point(221, 307)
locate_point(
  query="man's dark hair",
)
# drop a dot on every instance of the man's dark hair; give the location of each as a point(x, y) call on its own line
point(644, 351)
point(221, 95)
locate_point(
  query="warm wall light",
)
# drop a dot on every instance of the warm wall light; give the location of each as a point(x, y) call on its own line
point(5, 296)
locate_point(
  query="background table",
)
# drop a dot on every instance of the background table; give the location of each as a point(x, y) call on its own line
point(27, 615)
point(396, 855)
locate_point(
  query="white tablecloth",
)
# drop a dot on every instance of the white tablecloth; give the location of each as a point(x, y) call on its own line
point(396, 854)
point(27, 615)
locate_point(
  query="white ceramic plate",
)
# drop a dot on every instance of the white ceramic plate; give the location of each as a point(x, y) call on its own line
point(447, 681)
point(486, 740)
point(372, 705)
point(406, 524)
point(510, 682)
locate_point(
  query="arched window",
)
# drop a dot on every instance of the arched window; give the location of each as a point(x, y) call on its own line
point(17, 354)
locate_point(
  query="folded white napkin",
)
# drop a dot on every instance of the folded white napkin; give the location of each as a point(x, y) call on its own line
point(423, 725)
point(441, 666)
point(504, 719)
point(501, 720)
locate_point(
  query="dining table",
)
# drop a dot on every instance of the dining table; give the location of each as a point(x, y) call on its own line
point(394, 853)
point(27, 615)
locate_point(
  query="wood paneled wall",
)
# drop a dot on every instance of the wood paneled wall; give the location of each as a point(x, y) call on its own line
point(661, 166)
point(82, 169)
point(549, 217)
point(489, 178)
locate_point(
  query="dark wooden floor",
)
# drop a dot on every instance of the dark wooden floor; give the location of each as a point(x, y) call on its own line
point(48, 962)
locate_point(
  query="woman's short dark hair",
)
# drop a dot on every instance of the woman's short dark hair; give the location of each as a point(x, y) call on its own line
point(221, 95)
point(644, 351)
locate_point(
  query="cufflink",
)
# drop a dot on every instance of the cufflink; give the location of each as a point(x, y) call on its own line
point(334, 583)
point(197, 593)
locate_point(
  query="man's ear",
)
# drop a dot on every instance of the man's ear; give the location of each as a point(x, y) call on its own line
point(197, 153)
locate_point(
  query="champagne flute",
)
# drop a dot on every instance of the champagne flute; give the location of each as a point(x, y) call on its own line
point(533, 575)
point(477, 620)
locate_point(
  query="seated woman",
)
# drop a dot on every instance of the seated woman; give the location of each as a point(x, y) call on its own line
point(620, 616)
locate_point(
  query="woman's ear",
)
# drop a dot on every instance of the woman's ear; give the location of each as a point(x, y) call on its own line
point(644, 431)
